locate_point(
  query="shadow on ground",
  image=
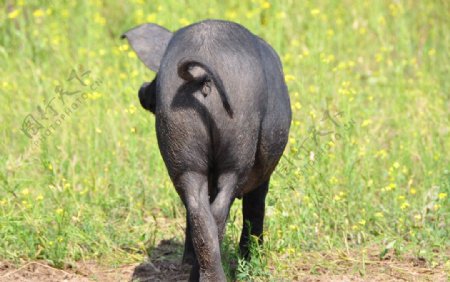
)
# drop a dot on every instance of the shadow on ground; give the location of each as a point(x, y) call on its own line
point(164, 264)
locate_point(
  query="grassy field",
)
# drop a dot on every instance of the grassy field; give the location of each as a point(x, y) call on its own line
point(364, 180)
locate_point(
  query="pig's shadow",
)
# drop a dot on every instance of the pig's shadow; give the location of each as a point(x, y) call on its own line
point(164, 264)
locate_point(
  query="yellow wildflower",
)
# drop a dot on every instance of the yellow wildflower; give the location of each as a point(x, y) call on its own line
point(394, 9)
point(405, 205)
point(327, 58)
point(442, 196)
point(151, 17)
point(94, 95)
point(14, 14)
point(265, 5)
point(315, 12)
point(98, 18)
point(231, 15)
point(134, 73)
point(382, 154)
point(390, 187)
point(291, 251)
point(65, 13)
point(139, 15)
point(281, 15)
point(339, 196)
point(379, 57)
point(334, 180)
point(289, 77)
point(184, 21)
point(123, 47)
point(330, 32)
point(132, 109)
point(404, 170)
point(362, 30)
point(38, 13)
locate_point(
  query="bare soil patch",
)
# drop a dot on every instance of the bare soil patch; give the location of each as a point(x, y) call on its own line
point(164, 265)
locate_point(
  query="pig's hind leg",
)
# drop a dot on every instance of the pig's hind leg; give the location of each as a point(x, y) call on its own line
point(253, 206)
point(193, 188)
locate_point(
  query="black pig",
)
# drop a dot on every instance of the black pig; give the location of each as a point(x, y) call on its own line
point(222, 120)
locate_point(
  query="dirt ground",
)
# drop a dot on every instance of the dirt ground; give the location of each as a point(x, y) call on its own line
point(164, 265)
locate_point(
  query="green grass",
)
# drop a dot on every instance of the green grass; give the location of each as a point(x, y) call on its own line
point(367, 163)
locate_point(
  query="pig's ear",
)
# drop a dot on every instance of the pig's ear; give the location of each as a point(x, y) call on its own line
point(149, 41)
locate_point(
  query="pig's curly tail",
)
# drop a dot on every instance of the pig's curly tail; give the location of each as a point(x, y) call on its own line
point(185, 71)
